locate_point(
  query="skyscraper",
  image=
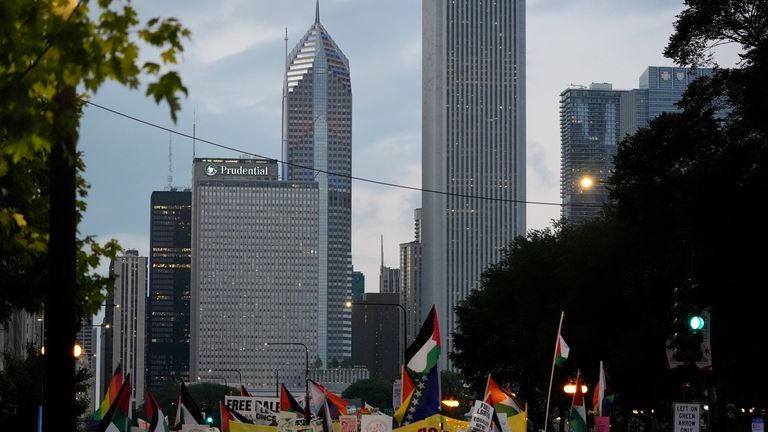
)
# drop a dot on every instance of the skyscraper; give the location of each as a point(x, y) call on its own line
point(410, 278)
point(473, 144)
point(254, 274)
point(318, 135)
point(389, 278)
point(589, 132)
point(128, 336)
point(170, 255)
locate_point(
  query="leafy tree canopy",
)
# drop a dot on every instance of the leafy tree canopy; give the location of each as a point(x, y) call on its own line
point(47, 46)
point(375, 392)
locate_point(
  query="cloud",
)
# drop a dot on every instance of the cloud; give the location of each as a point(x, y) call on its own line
point(235, 38)
point(138, 242)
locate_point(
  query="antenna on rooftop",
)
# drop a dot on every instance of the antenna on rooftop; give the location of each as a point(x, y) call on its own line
point(169, 186)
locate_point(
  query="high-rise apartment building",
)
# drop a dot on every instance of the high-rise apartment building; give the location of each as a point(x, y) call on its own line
point(254, 274)
point(410, 279)
point(170, 255)
point(473, 144)
point(128, 328)
point(589, 133)
point(594, 119)
point(318, 135)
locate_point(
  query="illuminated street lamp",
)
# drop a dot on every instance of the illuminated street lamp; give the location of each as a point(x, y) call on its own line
point(570, 388)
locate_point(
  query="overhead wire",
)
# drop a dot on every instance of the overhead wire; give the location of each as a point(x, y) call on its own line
point(330, 173)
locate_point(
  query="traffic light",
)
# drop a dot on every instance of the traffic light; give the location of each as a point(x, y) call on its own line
point(687, 324)
point(209, 420)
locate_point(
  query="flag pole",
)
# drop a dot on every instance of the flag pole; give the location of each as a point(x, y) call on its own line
point(552, 373)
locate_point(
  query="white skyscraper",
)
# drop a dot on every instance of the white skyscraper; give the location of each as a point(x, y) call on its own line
point(473, 138)
point(128, 332)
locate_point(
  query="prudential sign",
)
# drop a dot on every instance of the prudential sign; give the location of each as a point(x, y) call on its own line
point(212, 170)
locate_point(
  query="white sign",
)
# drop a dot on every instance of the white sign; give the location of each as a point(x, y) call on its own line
point(375, 423)
point(503, 421)
point(397, 388)
point(261, 410)
point(686, 417)
point(757, 425)
point(481, 417)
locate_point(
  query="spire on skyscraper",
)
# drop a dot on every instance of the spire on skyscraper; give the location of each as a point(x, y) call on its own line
point(317, 12)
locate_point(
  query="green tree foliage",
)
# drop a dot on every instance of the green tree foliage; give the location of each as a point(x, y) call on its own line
point(372, 391)
point(205, 395)
point(47, 46)
point(21, 391)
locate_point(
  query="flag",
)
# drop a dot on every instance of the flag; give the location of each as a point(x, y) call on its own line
point(187, 411)
point(116, 418)
point(578, 416)
point(244, 392)
point(422, 355)
point(599, 395)
point(114, 387)
point(561, 351)
point(406, 384)
point(501, 400)
point(227, 414)
point(423, 401)
point(157, 421)
point(288, 402)
point(319, 394)
point(326, 417)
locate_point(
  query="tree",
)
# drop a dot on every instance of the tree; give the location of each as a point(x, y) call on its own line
point(205, 395)
point(375, 392)
point(51, 49)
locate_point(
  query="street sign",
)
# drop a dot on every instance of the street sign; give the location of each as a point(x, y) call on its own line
point(757, 424)
point(687, 417)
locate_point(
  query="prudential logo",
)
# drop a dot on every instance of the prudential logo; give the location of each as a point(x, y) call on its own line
point(210, 170)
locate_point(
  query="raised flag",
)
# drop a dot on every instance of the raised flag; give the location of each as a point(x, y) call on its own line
point(243, 391)
point(187, 411)
point(157, 421)
point(599, 395)
point(561, 351)
point(116, 418)
point(423, 401)
point(501, 400)
point(289, 403)
point(319, 394)
point(326, 417)
point(114, 388)
point(227, 414)
point(422, 355)
point(578, 416)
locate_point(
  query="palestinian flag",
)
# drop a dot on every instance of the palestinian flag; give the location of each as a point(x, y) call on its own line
point(187, 411)
point(244, 392)
point(319, 394)
point(422, 355)
point(423, 401)
point(157, 420)
point(502, 400)
point(227, 414)
point(114, 387)
point(288, 402)
point(561, 351)
point(116, 418)
point(578, 416)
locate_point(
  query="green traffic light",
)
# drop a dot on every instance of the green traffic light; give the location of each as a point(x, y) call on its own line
point(209, 420)
point(696, 322)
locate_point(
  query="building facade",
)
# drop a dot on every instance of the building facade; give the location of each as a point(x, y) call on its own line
point(255, 295)
point(128, 328)
point(318, 136)
point(589, 133)
point(358, 285)
point(410, 279)
point(473, 145)
point(170, 256)
point(376, 338)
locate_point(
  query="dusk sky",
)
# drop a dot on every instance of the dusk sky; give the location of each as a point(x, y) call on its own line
point(233, 68)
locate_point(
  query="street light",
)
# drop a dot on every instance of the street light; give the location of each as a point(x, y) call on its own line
point(570, 388)
point(350, 303)
point(239, 375)
point(306, 373)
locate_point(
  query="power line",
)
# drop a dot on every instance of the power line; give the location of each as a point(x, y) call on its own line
point(351, 177)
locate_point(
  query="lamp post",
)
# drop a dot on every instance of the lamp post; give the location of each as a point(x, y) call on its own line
point(350, 303)
point(306, 373)
point(239, 375)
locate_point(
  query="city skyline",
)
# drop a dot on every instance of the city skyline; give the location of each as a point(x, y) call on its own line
point(235, 79)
